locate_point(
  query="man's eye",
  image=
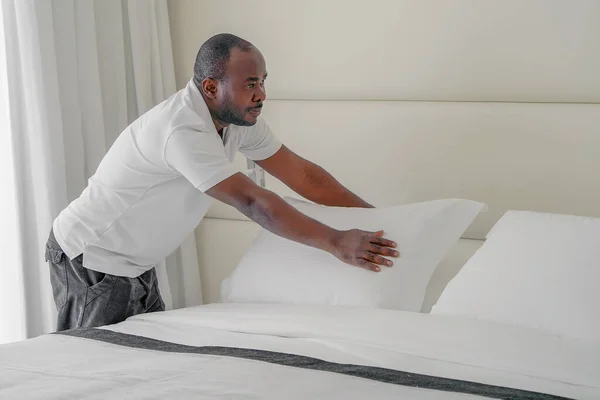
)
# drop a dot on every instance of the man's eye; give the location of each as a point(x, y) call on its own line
point(250, 86)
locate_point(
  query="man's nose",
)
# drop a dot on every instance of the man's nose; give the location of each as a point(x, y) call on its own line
point(260, 94)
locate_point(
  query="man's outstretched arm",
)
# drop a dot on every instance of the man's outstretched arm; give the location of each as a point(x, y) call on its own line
point(355, 247)
point(310, 180)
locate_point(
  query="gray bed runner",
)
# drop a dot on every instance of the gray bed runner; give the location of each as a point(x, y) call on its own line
point(374, 373)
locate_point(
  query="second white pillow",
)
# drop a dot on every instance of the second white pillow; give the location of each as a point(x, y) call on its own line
point(278, 270)
point(535, 270)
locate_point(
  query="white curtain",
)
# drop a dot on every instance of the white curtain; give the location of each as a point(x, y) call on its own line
point(74, 73)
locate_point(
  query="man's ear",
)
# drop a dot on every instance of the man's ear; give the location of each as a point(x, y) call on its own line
point(209, 88)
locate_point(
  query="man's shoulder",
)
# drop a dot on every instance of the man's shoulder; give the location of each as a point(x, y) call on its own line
point(170, 116)
point(182, 113)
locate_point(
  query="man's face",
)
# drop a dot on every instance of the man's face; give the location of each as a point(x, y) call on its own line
point(242, 92)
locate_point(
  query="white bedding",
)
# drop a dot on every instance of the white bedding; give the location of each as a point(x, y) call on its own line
point(65, 367)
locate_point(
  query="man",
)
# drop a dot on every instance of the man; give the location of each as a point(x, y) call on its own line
point(156, 182)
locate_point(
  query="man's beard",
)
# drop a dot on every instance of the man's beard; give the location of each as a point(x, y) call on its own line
point(229, 115)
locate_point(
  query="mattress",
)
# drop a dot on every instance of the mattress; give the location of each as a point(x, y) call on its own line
point(267, 351)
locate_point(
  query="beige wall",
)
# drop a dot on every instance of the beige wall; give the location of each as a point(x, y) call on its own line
point(467, 54)
point(186, 38)
point(467, 50)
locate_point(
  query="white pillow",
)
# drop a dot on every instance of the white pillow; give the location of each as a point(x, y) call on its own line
point(535, 270)
point(278, 270)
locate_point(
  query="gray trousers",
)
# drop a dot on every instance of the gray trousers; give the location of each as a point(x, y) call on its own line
point(87, 298)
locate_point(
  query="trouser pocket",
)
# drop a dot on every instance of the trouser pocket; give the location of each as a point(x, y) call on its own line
point(145, 295)
point(58, 275)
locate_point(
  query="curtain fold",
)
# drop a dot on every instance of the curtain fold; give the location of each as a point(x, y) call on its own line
point(77, 73)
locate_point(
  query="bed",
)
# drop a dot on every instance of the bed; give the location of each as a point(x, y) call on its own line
point(298, 352)
point(283, 349)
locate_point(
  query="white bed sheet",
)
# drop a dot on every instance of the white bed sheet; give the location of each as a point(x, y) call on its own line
point(61, 367)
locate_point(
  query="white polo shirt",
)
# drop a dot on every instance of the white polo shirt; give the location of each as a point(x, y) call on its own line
point(147, 195)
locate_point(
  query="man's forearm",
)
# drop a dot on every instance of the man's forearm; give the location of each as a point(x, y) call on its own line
point(277, 216)
point(356, 247)
point(322, 188)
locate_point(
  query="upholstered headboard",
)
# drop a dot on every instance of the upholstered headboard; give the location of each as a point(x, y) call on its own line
point(406, 100)
point(542, 157)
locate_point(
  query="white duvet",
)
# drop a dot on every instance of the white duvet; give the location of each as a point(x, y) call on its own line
point(65, 367)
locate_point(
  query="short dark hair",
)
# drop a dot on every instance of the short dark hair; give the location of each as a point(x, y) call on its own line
point(211, 61)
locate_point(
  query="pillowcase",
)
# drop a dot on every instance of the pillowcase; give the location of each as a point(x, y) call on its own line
point(536, 270)
point(278, 270)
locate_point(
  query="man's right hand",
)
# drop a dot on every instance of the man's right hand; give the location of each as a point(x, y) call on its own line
point(364, 249)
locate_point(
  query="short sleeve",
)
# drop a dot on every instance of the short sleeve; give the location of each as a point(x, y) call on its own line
point(199, 157)
point(258, 142)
